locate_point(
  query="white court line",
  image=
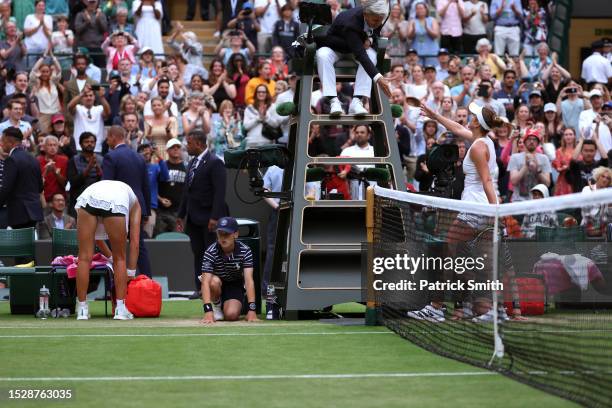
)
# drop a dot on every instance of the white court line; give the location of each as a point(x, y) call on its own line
point(254, 377)
point(162, 325)
point(527, 332)
point(60, 336)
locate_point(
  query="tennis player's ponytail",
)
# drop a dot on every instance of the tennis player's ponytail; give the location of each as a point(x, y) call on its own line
point(491, 118)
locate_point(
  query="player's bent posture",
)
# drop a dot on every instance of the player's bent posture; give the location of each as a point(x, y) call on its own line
point(107, 209)
point(227, 269)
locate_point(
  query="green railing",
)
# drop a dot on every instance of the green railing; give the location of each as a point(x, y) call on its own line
point(558, 32)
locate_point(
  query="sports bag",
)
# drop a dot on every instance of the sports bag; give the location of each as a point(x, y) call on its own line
point(144, 297)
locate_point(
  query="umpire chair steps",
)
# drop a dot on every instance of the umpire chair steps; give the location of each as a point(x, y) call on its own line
point(317, 260)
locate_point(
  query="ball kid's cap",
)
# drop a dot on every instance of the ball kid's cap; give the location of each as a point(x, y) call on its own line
point(227, 224)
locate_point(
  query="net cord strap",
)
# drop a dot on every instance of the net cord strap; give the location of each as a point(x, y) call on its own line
point(498, 345)
point(556, 203)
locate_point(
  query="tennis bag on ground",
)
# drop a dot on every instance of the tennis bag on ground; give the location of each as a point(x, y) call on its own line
point(532, 297)
point(144, 297)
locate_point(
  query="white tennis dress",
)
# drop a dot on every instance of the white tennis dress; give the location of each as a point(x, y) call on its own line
point(108, 195)
point(473, 190)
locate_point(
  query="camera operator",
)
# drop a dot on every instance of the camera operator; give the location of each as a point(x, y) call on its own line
point(422, 173)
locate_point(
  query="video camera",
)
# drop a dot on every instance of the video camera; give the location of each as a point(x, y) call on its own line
point(441, 164)
point(255, 159)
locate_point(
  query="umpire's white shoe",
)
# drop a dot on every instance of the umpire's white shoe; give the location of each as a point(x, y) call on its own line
point(335, 107)
point(122, 313)
point(217, 311)
point(82, 313)
point(428, 313)
point(356, 108)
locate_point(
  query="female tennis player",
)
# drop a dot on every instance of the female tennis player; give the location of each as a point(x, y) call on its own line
point(107, 209)
point(481, 172)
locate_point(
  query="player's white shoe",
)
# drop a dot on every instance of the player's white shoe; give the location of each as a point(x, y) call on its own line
point(217, 311)
point(82, 312)
point(428, 313)
point(122, 313)
point(356, 108)
point(489, 317)
point(335, 107)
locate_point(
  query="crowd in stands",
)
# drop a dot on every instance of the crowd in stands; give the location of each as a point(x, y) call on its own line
point(71, 69)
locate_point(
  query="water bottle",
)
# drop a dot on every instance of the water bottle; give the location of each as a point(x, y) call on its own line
point(43, 302)
point(271, 306)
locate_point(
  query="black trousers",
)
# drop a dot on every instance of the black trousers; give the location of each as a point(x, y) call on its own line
point(271, 244)
point(469, 42)
point(200, 239)
point(204, 8)
point(144, 265)
point(452, 44)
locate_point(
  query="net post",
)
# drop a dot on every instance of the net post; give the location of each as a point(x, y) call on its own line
point(371, 318)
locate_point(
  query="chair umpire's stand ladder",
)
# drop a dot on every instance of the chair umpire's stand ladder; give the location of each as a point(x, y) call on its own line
point(317, 261)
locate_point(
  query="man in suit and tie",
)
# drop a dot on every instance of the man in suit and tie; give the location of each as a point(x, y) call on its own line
point(22, 182)
point(122, 163)
point(57, 219)
point(203, 200)
point(354, 31)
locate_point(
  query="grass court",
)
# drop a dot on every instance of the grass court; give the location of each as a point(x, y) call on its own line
point(174, 361)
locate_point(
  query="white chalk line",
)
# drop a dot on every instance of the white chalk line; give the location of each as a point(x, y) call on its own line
point(60, 336)
point(252, 377)
point(106, 323)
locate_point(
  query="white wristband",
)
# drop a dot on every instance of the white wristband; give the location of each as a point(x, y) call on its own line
point(377, 77)
point(131, 273)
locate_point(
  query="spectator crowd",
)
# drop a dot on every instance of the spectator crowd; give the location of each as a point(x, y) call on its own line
point(72, 69)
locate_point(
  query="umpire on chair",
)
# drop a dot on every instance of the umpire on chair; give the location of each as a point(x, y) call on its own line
point(354, 31)
point(203, 202)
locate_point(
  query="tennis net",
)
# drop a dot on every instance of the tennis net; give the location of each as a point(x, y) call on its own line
point(524, 289)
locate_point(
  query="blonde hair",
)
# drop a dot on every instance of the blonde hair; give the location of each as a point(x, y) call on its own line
point(282, 84)
point(124, 101)
point(600, 171)
point(225, 104)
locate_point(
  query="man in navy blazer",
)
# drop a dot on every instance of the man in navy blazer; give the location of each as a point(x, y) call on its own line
point(124, 164)
point(203, 200)
point(354, 31)
point(22, 182)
